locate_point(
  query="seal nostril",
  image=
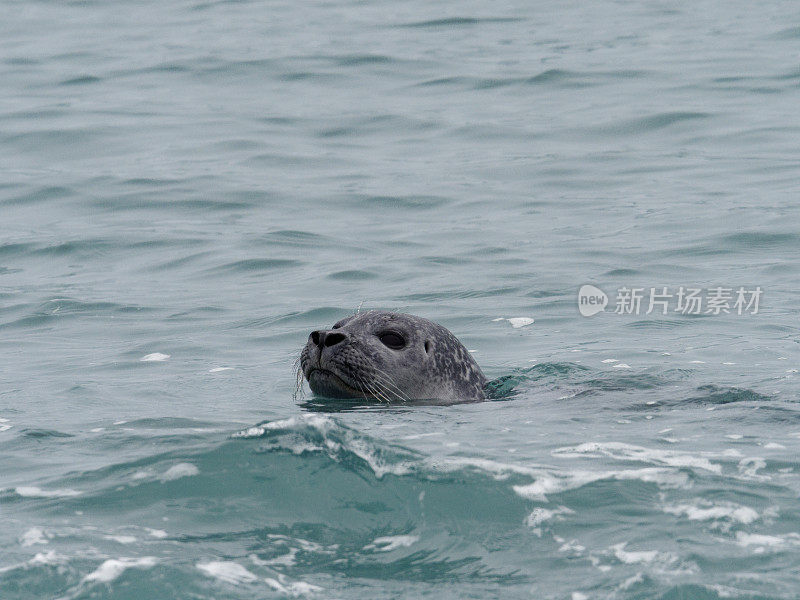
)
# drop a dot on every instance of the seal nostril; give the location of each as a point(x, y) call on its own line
point(333, 338)
point(314, 337)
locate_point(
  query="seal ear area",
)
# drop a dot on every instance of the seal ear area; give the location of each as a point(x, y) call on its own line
point(428, 347)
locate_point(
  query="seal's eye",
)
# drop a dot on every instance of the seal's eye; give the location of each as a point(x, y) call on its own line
point(392, 340)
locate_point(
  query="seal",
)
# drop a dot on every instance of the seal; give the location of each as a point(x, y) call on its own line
point(389, 357)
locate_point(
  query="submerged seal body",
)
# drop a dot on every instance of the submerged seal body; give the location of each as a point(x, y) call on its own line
point(389, 357)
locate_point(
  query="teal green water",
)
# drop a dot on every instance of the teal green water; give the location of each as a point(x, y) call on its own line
point(188, 189)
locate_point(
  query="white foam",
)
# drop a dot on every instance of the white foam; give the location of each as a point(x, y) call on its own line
point(285, 560)
point(113, 568)
point(363, 450)
point(250, 432)
point(774, 446)
point(29, 491)
point(46, 558)
point(749, 467)
point(623, 451)
point(294, 588)
point(227, 571)
point(610, 360)
point(633, 557)
point(305, 545)
point(418, 436)
point(631, 581)
point(220, 369)
point(180, 470)
point(5, 424)
point(321, 423)
point(324, 426)
point(540, 515)
point(156, 533)
point(579, 596)
point(121, 539)
point(756, 539)
point(517, 322)
point(499, 470)
point(34, 535)
point(154, 357)
point(41, 558)
point(553, 483)
point(391, 542)
point(621, 366)
point(573, 547)
point(708, 511)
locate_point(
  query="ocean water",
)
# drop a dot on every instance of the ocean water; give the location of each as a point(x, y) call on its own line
point(188, 188)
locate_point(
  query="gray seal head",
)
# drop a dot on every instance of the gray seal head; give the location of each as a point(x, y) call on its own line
point(390, 356)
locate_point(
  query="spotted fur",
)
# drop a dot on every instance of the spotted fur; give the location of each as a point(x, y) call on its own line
point(351, 361)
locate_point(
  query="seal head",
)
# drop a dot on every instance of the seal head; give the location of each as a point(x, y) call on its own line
point(390, 357)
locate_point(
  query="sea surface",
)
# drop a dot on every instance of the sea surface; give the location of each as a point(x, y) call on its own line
point(188, 188)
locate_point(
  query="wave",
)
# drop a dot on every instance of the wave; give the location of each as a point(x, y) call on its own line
point(306, 505)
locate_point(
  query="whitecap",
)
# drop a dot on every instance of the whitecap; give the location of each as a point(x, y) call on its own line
point(703, 510)
point(156, 533)
point(540, 515)
point(757, 539)
point(113, 568)
point(293, 588)
point(632, 557)
point(623, 451)
point(517, 322)
point(121, 539)
point(34, 535)
point(29, 491)
point(391, 542)
point(180, 470)
point(553, 483)
point(227, 571)
point(154, 357)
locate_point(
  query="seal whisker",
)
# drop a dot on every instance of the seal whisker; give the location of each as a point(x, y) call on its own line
point(389, 357)
point(298, 388)
point(390, 389)
point(390, 384)
point(360, 385)
point(378, 391)
point(379, 394)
